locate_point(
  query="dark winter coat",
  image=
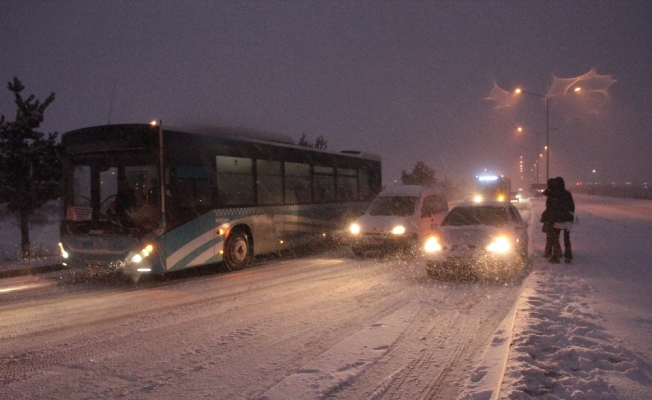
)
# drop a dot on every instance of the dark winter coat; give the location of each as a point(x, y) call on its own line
point(546, 217)
point(562, 206)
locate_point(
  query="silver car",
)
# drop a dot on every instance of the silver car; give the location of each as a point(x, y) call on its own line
point(486, 239)
point(399, 218)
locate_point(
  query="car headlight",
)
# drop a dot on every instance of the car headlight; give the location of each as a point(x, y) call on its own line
point(398, 230)
point(499, 245)
point(477, 198)
point(432, 245)
point(145, 252)
point(355, 229)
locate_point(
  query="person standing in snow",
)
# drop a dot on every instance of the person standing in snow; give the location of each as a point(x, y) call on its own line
point(547, 220)
point(562, 214)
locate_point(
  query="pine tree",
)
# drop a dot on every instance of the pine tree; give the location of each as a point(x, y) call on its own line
point(304, 142)
point(421, 175)
point(30, 171)
point(320, 143)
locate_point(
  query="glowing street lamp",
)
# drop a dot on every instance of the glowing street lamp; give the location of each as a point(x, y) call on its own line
point(536, 153)
point(519, 91)
point(547, 98)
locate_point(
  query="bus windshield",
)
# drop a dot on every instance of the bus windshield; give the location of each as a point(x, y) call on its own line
point(114, 193)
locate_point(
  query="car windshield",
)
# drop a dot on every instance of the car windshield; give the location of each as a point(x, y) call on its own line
point(400, 206)
point(476, 215)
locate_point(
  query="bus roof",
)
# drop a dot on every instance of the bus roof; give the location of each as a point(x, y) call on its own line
point(238, 133)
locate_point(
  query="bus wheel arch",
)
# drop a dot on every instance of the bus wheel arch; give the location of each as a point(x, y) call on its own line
point(238, 248)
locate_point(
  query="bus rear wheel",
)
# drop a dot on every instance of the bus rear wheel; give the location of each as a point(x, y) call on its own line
point(237, 251)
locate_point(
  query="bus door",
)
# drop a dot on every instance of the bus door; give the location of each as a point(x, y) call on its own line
point(191, 237)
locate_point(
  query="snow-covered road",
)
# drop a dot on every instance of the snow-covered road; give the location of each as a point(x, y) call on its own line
point(326, 325)
point(332, 326)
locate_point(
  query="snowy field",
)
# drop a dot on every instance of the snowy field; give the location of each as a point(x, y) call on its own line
point(578, 331)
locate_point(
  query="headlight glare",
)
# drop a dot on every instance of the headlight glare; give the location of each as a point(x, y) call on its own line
point(499, 245)
point(145, 252)
point(355, 229)
point(398, 230)
point(64, 253)
point(432, 245)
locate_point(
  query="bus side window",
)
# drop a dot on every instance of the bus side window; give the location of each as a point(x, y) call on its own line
point(297, 183)
point(363, 179)
point(347, 185)
point(269, 178)
point(324, 182)
point(235, 181)
point(193, 187)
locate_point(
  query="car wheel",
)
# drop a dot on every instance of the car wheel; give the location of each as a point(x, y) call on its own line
point(237, 251)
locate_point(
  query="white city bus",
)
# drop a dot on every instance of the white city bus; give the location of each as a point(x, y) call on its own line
point(147, 199)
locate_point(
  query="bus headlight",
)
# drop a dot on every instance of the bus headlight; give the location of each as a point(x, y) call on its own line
point(398, 230)
point(355, 229)
point(145, 252)
point(432, 245)
point(64, 253)
point(499, 245)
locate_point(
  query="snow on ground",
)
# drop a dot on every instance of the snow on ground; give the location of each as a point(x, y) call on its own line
point(578, 331)
point(582, 331)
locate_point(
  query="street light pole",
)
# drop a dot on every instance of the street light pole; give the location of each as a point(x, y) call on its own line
point(517, 91)
point(547, 138)
point(535, 160)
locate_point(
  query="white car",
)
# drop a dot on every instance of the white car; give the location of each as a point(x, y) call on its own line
point(478, 239)
point(399, 218)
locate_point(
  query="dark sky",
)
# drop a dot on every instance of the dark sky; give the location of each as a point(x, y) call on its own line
point(405, 80)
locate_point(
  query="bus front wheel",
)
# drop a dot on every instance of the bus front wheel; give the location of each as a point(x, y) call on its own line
point(237, 252)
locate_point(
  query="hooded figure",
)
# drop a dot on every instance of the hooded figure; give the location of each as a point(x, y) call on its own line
point(563, 205)
point(547, 219)
point(561, 210)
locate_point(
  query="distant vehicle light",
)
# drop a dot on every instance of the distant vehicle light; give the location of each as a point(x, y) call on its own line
point(398, 230)
point(501, 198)
point(488, 178)
point(355, 229)
point(432, 245)
point(499, 245)
point(477, 198)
